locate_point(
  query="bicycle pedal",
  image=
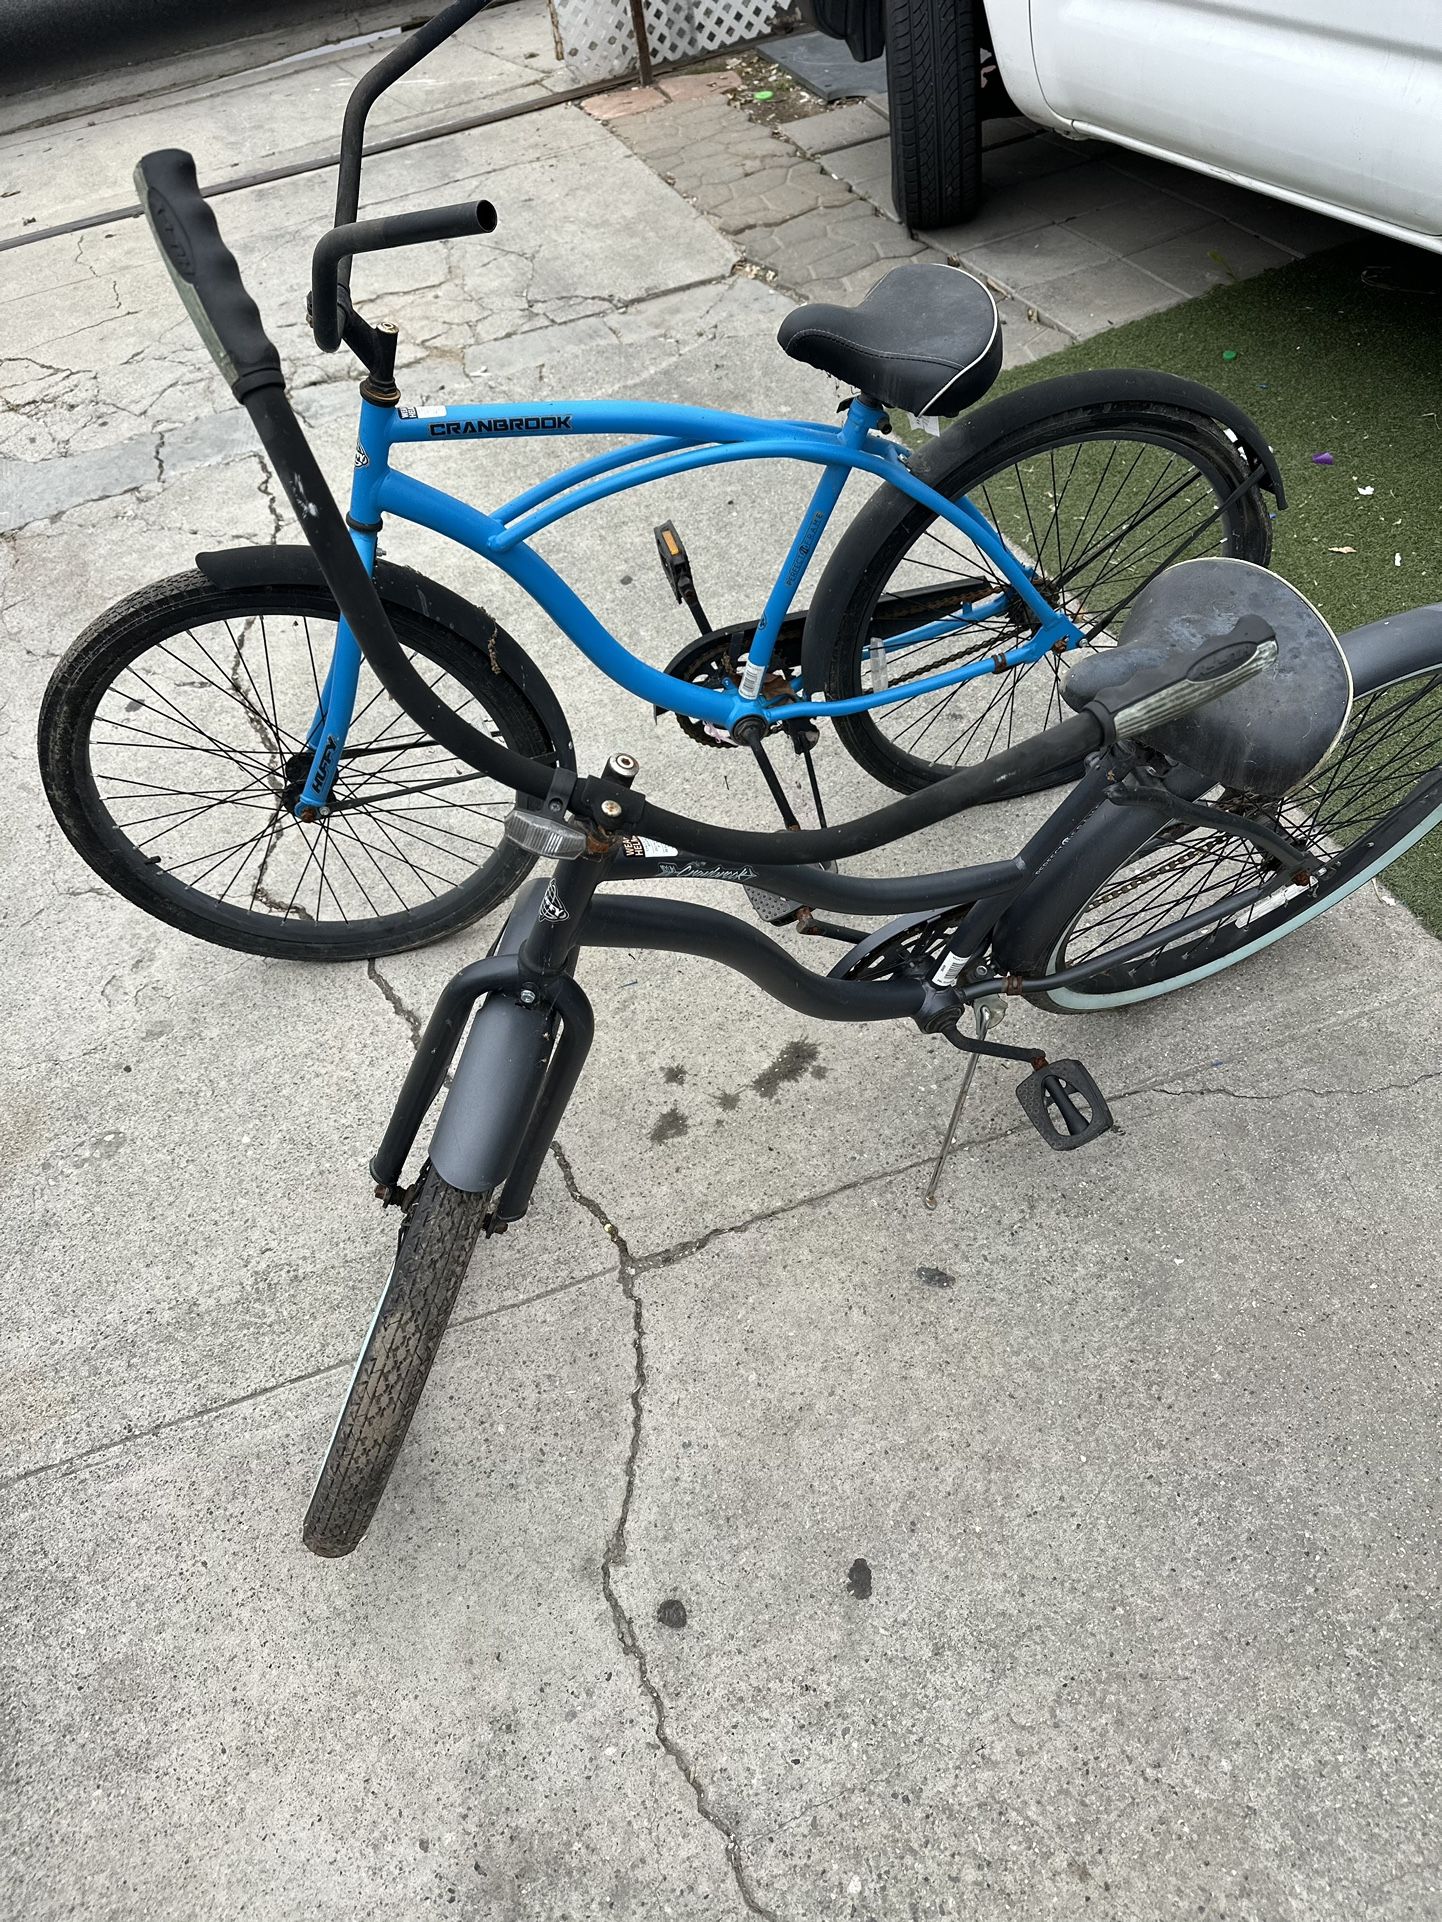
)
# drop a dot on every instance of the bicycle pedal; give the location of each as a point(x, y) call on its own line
point(1064, 1105)
point(774, 909)
point(676, 566)
point(675, 562)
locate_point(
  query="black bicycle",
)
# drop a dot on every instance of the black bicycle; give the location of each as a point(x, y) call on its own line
point(1244, 770)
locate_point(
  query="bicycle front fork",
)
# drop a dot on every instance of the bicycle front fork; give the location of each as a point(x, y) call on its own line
point(334, 709)
point(521, 1060)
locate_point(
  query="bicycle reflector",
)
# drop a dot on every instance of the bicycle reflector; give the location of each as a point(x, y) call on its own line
point(545, 835)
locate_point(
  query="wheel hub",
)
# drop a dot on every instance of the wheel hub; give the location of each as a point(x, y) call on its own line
point(295, 772)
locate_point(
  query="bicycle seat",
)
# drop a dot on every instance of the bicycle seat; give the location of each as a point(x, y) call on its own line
point(1266, 737)
point(925, 339)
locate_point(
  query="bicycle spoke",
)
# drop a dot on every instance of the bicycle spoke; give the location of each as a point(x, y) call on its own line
point(189, 749)
point(1092, 520)
point(1394, 741)
point(401, 821)
point(342, 827)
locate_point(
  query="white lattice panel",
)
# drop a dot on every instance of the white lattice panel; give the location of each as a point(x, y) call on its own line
point(597, 40)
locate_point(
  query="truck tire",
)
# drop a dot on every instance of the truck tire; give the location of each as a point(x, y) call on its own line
point(860, 23)
point(933, 83)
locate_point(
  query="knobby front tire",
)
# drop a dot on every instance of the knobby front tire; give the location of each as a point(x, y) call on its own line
point(437, 1239)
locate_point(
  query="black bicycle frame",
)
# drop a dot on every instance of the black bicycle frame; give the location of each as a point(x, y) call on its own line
point(529, 1041)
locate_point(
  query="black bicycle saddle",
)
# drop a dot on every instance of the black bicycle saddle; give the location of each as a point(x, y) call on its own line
point(1269, 735)
point(925, 339)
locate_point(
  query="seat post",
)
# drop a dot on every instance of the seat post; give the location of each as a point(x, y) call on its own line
point(863, 416)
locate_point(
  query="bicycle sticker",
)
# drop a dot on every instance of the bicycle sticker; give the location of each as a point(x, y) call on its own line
point(551, 905)
point(421, 413)
point(362, 458)
point(704, 871)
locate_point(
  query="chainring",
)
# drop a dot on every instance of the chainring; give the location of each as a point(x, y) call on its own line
point(912, 945)
point(715, 660)
point(711, 660)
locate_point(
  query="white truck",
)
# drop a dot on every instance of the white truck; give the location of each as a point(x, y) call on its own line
point(1332, 104)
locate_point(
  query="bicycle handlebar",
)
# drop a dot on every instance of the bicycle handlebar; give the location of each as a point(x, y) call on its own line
point(205, 272)
point(209, 282)
point(329, 266)
point(372, 84)
point(330, 288)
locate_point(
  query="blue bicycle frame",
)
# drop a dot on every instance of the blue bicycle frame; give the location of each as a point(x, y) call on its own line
point(672, 440)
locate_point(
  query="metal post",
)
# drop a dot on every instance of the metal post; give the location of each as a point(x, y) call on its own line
point(643, 42)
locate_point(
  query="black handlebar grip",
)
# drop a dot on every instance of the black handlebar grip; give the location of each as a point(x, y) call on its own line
point(333, 252)
point(205, 272)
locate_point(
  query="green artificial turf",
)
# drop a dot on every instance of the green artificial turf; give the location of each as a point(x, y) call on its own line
point(1324, 364)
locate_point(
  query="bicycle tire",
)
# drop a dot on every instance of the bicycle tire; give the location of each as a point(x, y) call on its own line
point(933, 87)
point(1374, 800)
point(102, 668)
point(1169, 439)
point(434, 1249)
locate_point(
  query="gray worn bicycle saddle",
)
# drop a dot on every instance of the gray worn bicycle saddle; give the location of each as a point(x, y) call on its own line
point(1267, 736)
point(925, 339)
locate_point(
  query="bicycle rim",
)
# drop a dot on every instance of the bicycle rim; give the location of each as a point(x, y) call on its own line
point(1371, 804)
point(1094, 510)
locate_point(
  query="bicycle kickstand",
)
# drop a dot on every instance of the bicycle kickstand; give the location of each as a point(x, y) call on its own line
point(1059, 1098)
point(984, 1017)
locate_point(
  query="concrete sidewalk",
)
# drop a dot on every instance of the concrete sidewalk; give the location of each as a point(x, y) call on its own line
point(1069, 1550)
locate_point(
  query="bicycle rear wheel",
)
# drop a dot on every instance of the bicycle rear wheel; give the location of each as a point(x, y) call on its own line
point(1096, 501)
point(172, 747)
point(1370, 805)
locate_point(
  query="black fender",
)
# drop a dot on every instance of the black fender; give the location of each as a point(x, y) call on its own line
point(403, 587)
point(1394, 647)
point(482, 1124)
point(974, 431)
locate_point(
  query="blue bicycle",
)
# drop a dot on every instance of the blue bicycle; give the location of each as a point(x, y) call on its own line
point(217, 749)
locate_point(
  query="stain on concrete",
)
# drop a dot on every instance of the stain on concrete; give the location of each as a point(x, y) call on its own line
point(675, 1075)
point(672, 1612)
point(670, 1126)
point(936, 1277)
point(102, 1147)
point(728, 1101)
point(792, 1062)
point(858, 1579)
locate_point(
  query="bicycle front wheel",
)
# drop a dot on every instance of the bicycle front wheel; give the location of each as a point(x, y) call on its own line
point(172, 747)
point(437, 1239)
point(1094, 502)
point(1369, 806)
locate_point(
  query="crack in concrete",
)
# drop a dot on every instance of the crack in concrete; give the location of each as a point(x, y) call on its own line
point(677, 1251)
point(614, 1553)
point(407, 1014)
point(1285, 1094)
point(67, 1463)
point(83, 1455)
point(266, 489)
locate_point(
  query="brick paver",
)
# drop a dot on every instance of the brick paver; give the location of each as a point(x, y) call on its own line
point(833, 253)
point(1073, 236)
point(784, 211)
point(1085, 235)
point(811, 228)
